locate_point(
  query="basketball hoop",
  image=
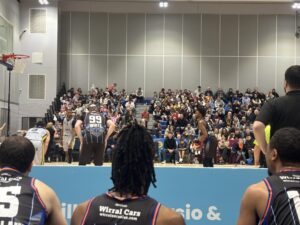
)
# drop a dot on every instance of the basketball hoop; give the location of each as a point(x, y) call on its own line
point(17, 64)
point(14, 62)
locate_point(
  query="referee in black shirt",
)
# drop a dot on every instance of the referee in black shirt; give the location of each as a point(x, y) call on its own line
point(280, 112)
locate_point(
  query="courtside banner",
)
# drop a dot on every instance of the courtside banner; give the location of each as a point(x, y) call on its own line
point(203, 196)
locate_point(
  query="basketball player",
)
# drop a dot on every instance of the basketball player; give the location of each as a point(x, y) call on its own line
point(203, 135)
point(40, 138)
point(94, 138)
point(132, 173)
point(275, 200)
point(24, 200)
point(68, 135)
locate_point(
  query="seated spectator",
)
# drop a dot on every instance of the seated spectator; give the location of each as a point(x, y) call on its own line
point(224, 150)
point(130, 106)
point(189, 131)
point(145, 117)
point(182, 146)
point(170, 148)
point(157, 114)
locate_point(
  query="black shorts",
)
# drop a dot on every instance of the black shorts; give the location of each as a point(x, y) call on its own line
point(92, 152)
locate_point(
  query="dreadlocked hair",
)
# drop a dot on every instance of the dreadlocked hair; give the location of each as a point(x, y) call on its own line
point(132, 161)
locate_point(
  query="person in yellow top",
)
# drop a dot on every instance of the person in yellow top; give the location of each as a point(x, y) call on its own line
point(257, 149)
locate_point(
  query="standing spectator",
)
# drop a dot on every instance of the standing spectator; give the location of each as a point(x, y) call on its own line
point(139, 95)
point(208, 92)
point(198, 91)
point(280, 112)
point(275, 94)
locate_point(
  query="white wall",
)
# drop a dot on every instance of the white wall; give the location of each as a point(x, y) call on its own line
point(47, 44)
point(9, 10)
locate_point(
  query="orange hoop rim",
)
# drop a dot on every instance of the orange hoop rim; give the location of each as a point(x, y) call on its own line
point(5, 57)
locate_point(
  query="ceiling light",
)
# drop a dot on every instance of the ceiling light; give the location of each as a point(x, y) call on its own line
point(43, 2)
point(163, 4)
point(296, 5)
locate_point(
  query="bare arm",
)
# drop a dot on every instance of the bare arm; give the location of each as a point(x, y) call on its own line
point(168, 216)
point(78, 130)
point(203, 130)
point(51, 201)
point(111, 128)
point(260, 136)
point(3, 126)
point(79, 213)
point(253, 204)
point(47, 141)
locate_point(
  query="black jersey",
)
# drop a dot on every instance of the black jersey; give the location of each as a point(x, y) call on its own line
point(95, 128)
point(108, 210)
point(20, 203)
point(283, 206)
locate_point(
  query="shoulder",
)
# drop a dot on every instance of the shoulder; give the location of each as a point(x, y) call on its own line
point(256, 193)
point(47, 195)
point(80, 212)
point(167, 216)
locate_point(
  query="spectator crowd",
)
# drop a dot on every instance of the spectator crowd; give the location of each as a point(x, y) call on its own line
point(229, 117)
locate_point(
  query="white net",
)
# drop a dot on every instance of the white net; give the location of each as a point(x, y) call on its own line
point(20, 65)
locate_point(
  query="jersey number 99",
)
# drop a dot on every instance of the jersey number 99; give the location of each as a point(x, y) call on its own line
point(95, 119)
point(9, 203)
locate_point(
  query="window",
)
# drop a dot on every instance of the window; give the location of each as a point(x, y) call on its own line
point(37, 86)
point(37, 20)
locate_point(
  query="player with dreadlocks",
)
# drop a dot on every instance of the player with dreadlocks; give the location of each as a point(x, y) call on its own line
point(127, 201)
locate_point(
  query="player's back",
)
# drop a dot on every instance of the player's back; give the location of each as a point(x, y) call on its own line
point(36, 134)
point(20, 202)
point(106, 209)
point(283, 206)
point(95, 127)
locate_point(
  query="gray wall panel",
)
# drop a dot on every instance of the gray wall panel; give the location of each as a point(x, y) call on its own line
point(247, 73)
point(266, 73)
point(285, 36)
point(248, 35)
point(191, 72)
point(210, 35)
point(79, 33)
point(116, 70)
point(228, 75)
point(229, 35)
point(210, 72)
point(172, 74)
point(79, 71)
point(136, 34)
point(267, 35)
point(98, 32)
point(173, 34)
point(191, 34)
point(117, 33)
point(98, 71)
point(65, 69)
point(154, 33)
point(154, 74)
point(65, 32)
point(135, 73)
